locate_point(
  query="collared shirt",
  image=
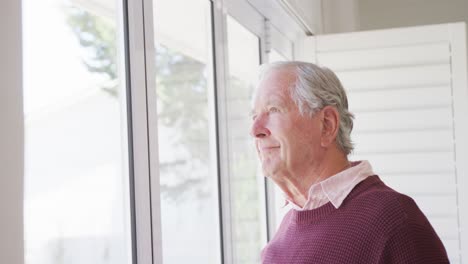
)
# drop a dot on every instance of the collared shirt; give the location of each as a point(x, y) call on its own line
point(335, 188)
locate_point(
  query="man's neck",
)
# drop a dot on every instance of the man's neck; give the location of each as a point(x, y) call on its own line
point(297, 188)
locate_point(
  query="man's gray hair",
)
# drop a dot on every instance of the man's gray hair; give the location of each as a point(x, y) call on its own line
point(315, 88)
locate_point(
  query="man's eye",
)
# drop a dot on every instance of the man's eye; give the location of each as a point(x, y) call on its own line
point(273, 110)
point(254, 117)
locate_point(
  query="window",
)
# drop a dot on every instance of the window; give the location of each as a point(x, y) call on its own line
point(246, 185)
point(187, 150)
point(76, 166)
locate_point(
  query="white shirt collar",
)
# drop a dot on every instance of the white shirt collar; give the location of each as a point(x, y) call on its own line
point(335, 188)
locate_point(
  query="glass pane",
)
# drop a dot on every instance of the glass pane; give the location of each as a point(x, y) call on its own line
point(275, 56)
point(187, 153)
point(247, 186)
point(76, 176)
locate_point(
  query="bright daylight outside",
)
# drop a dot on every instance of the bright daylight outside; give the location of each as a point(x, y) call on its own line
point(76, 175)
point(187, 154)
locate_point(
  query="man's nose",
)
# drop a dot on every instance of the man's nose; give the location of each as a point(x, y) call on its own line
point(259, 129)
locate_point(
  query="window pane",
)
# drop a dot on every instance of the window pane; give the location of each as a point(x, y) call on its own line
point(247, 187)
point(187, 154)
point(76, 176)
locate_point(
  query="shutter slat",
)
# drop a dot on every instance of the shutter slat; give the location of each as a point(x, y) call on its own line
point(408, 141)
point(388, 121)
point(410, 183)
point(400, 77)
point(386, 57)
point(382, 38)
point(399, 98)
point(401, 163)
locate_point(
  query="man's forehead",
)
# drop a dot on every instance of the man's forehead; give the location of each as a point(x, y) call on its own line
point(276, 94)
point(269, 93)
point(274, 84)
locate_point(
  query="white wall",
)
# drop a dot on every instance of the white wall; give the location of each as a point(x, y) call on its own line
point(11, 134)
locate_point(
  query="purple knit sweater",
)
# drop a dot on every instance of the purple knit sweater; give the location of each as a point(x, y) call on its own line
point(375, 224)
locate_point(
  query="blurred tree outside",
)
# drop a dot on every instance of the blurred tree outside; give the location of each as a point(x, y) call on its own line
point(97, 36)
point(182, 103)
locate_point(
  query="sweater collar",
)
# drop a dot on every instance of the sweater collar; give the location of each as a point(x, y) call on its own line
point(335, 188)
point(305, 216)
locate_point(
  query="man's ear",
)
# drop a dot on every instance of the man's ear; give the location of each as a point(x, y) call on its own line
point(330, 125)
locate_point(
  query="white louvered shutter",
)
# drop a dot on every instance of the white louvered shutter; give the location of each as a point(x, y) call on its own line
point(407, 88)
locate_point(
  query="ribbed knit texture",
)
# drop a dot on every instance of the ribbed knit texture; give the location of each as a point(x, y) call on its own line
point(375, 224)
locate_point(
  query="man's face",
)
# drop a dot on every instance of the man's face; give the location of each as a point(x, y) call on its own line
point(287, 143)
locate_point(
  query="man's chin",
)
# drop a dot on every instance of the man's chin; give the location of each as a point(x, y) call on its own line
point(269, 171)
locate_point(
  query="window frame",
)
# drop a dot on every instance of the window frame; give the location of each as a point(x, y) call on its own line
point(142, 132)
point(253, 22)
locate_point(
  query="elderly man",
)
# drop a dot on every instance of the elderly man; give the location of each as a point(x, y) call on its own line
point(341, 212)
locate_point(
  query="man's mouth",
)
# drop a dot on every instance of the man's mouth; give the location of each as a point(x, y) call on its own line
point(269, 148)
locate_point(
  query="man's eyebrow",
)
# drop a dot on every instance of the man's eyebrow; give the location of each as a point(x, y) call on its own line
point(276, 99)
point(273, 99)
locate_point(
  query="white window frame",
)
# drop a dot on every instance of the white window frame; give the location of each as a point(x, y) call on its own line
point(278, 41)
point(252, 21)
point(143, 137)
